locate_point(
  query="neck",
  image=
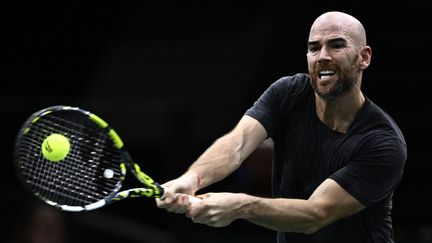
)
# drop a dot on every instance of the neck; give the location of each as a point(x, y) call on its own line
point(338, 114)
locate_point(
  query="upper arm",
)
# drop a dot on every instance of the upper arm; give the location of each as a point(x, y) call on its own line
point(248, 135)
point(332, 202)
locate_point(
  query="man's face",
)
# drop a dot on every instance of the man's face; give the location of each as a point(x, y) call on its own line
point(333, 61)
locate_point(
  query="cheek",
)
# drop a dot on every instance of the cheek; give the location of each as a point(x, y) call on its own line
point(310, 63)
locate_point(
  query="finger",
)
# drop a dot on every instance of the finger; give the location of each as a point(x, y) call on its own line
point(180, 209)
point(199, 218)
point(176, 208)
point(182, 203)
point(175, 203)
point(164, 203)
point(197, 212)
point(168, 201)
point(159, 203)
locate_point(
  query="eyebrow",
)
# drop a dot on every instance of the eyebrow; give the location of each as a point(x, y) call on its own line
point(334, 40)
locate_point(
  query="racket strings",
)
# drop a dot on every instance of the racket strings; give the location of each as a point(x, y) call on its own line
point(78, 179)
point(98, 148)
point(73, 182)
point(53, 179)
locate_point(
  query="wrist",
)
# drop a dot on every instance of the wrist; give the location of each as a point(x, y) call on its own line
point(248, 204)
point(194, 180)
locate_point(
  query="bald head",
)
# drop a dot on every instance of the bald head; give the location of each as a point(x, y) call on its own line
point(339, 23)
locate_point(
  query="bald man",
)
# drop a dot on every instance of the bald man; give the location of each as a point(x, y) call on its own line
point(337, 156)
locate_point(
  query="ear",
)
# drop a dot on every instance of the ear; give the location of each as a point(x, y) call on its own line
point(366, 56)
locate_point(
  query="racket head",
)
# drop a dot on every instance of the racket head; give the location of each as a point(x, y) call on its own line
point(88, 177)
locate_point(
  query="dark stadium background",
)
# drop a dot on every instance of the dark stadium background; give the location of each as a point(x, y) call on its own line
point(171, 78)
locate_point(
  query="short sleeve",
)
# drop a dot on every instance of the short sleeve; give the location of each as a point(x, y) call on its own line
point(267, 109)
point(374, 171)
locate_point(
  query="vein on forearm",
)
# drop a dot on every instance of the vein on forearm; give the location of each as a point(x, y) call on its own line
point(220, 159)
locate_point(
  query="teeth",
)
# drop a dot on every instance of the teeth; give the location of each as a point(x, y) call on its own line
point(326, 73)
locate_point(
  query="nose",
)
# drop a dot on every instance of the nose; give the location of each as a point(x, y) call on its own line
point(324, 55)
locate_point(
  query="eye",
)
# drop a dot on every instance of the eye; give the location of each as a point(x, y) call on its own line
point(313, 48)
point(338, 44)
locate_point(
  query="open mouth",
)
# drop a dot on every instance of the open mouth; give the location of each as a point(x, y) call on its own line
point(326, 73)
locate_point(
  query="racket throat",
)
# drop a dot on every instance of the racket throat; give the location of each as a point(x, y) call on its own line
point(135, 192)
point(152, 188)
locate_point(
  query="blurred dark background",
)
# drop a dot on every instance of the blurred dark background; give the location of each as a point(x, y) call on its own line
point(171, 78)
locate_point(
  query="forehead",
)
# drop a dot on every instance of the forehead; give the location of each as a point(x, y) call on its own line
point(321, 32)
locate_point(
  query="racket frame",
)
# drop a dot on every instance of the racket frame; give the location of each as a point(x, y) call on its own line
point(151, 188)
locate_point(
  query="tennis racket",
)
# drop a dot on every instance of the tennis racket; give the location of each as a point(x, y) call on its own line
point(72, 159)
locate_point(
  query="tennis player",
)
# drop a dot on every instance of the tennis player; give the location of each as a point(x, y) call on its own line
point(338, 157)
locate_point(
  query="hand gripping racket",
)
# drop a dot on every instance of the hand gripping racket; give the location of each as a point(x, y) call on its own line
point(72, 159)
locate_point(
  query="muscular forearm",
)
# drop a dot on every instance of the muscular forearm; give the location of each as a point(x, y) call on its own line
point(218, 161)
point(228, 152)
point(327, 204)
point(286, 215)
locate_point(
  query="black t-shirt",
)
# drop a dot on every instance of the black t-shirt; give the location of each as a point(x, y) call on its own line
point(367, 161)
